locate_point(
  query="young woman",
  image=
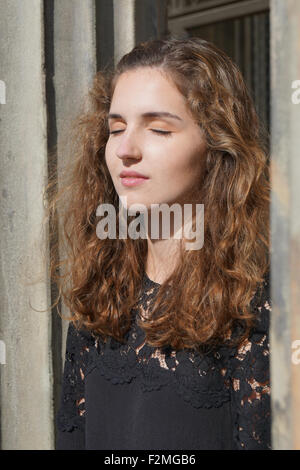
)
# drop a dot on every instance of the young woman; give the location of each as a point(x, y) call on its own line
point(168, 347)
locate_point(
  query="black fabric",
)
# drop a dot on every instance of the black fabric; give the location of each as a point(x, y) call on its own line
point(134, 396)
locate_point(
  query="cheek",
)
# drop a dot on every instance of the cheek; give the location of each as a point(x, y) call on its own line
point(108, 159)
point(193, 162)
point(181, 165)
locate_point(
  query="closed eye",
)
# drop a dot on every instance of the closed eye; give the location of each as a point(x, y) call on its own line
point(166, 133)
point(161, 132)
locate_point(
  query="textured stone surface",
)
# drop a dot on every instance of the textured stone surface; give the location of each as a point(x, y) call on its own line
point(26, 377)
point(285, 173)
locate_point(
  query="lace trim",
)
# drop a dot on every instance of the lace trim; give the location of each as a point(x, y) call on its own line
point(77, 358)
point(250, 378)
point(241, 376)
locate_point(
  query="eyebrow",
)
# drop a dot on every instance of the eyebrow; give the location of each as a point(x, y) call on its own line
point(150, 114)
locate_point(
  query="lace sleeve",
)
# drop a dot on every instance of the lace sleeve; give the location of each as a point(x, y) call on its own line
point(70, 417)
point(250, 382)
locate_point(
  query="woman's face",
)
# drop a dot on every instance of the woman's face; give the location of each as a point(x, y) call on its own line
point(168, 150)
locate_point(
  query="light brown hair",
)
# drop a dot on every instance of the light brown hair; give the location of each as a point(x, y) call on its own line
point(214, 285)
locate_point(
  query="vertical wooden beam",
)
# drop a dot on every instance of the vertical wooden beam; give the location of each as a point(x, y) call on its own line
point(285, 223)
point(75, 64)
point(124, 27)
point(26, 376)
point(136, 21)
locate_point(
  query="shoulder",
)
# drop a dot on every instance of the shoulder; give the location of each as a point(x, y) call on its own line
point(261, 305)
point(79, 333)
point(257, 342)
point(78, 343)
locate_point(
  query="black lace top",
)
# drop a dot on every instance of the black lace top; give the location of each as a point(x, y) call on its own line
point(134, 396)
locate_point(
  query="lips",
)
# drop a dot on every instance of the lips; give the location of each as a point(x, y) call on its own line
point(132, 178)
point(132, 174)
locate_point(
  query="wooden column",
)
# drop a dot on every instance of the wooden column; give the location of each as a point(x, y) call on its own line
point(285, 175)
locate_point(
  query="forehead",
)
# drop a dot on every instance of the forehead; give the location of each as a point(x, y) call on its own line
point(146, 87)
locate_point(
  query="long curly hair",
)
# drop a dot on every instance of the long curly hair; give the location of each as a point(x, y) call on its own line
point(100, 280)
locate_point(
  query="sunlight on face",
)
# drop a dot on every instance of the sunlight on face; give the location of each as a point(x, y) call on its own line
point(168, 150)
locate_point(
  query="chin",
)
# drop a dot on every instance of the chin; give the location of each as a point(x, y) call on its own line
point(137, 204)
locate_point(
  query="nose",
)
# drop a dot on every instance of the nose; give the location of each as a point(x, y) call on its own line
point(128, 147)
